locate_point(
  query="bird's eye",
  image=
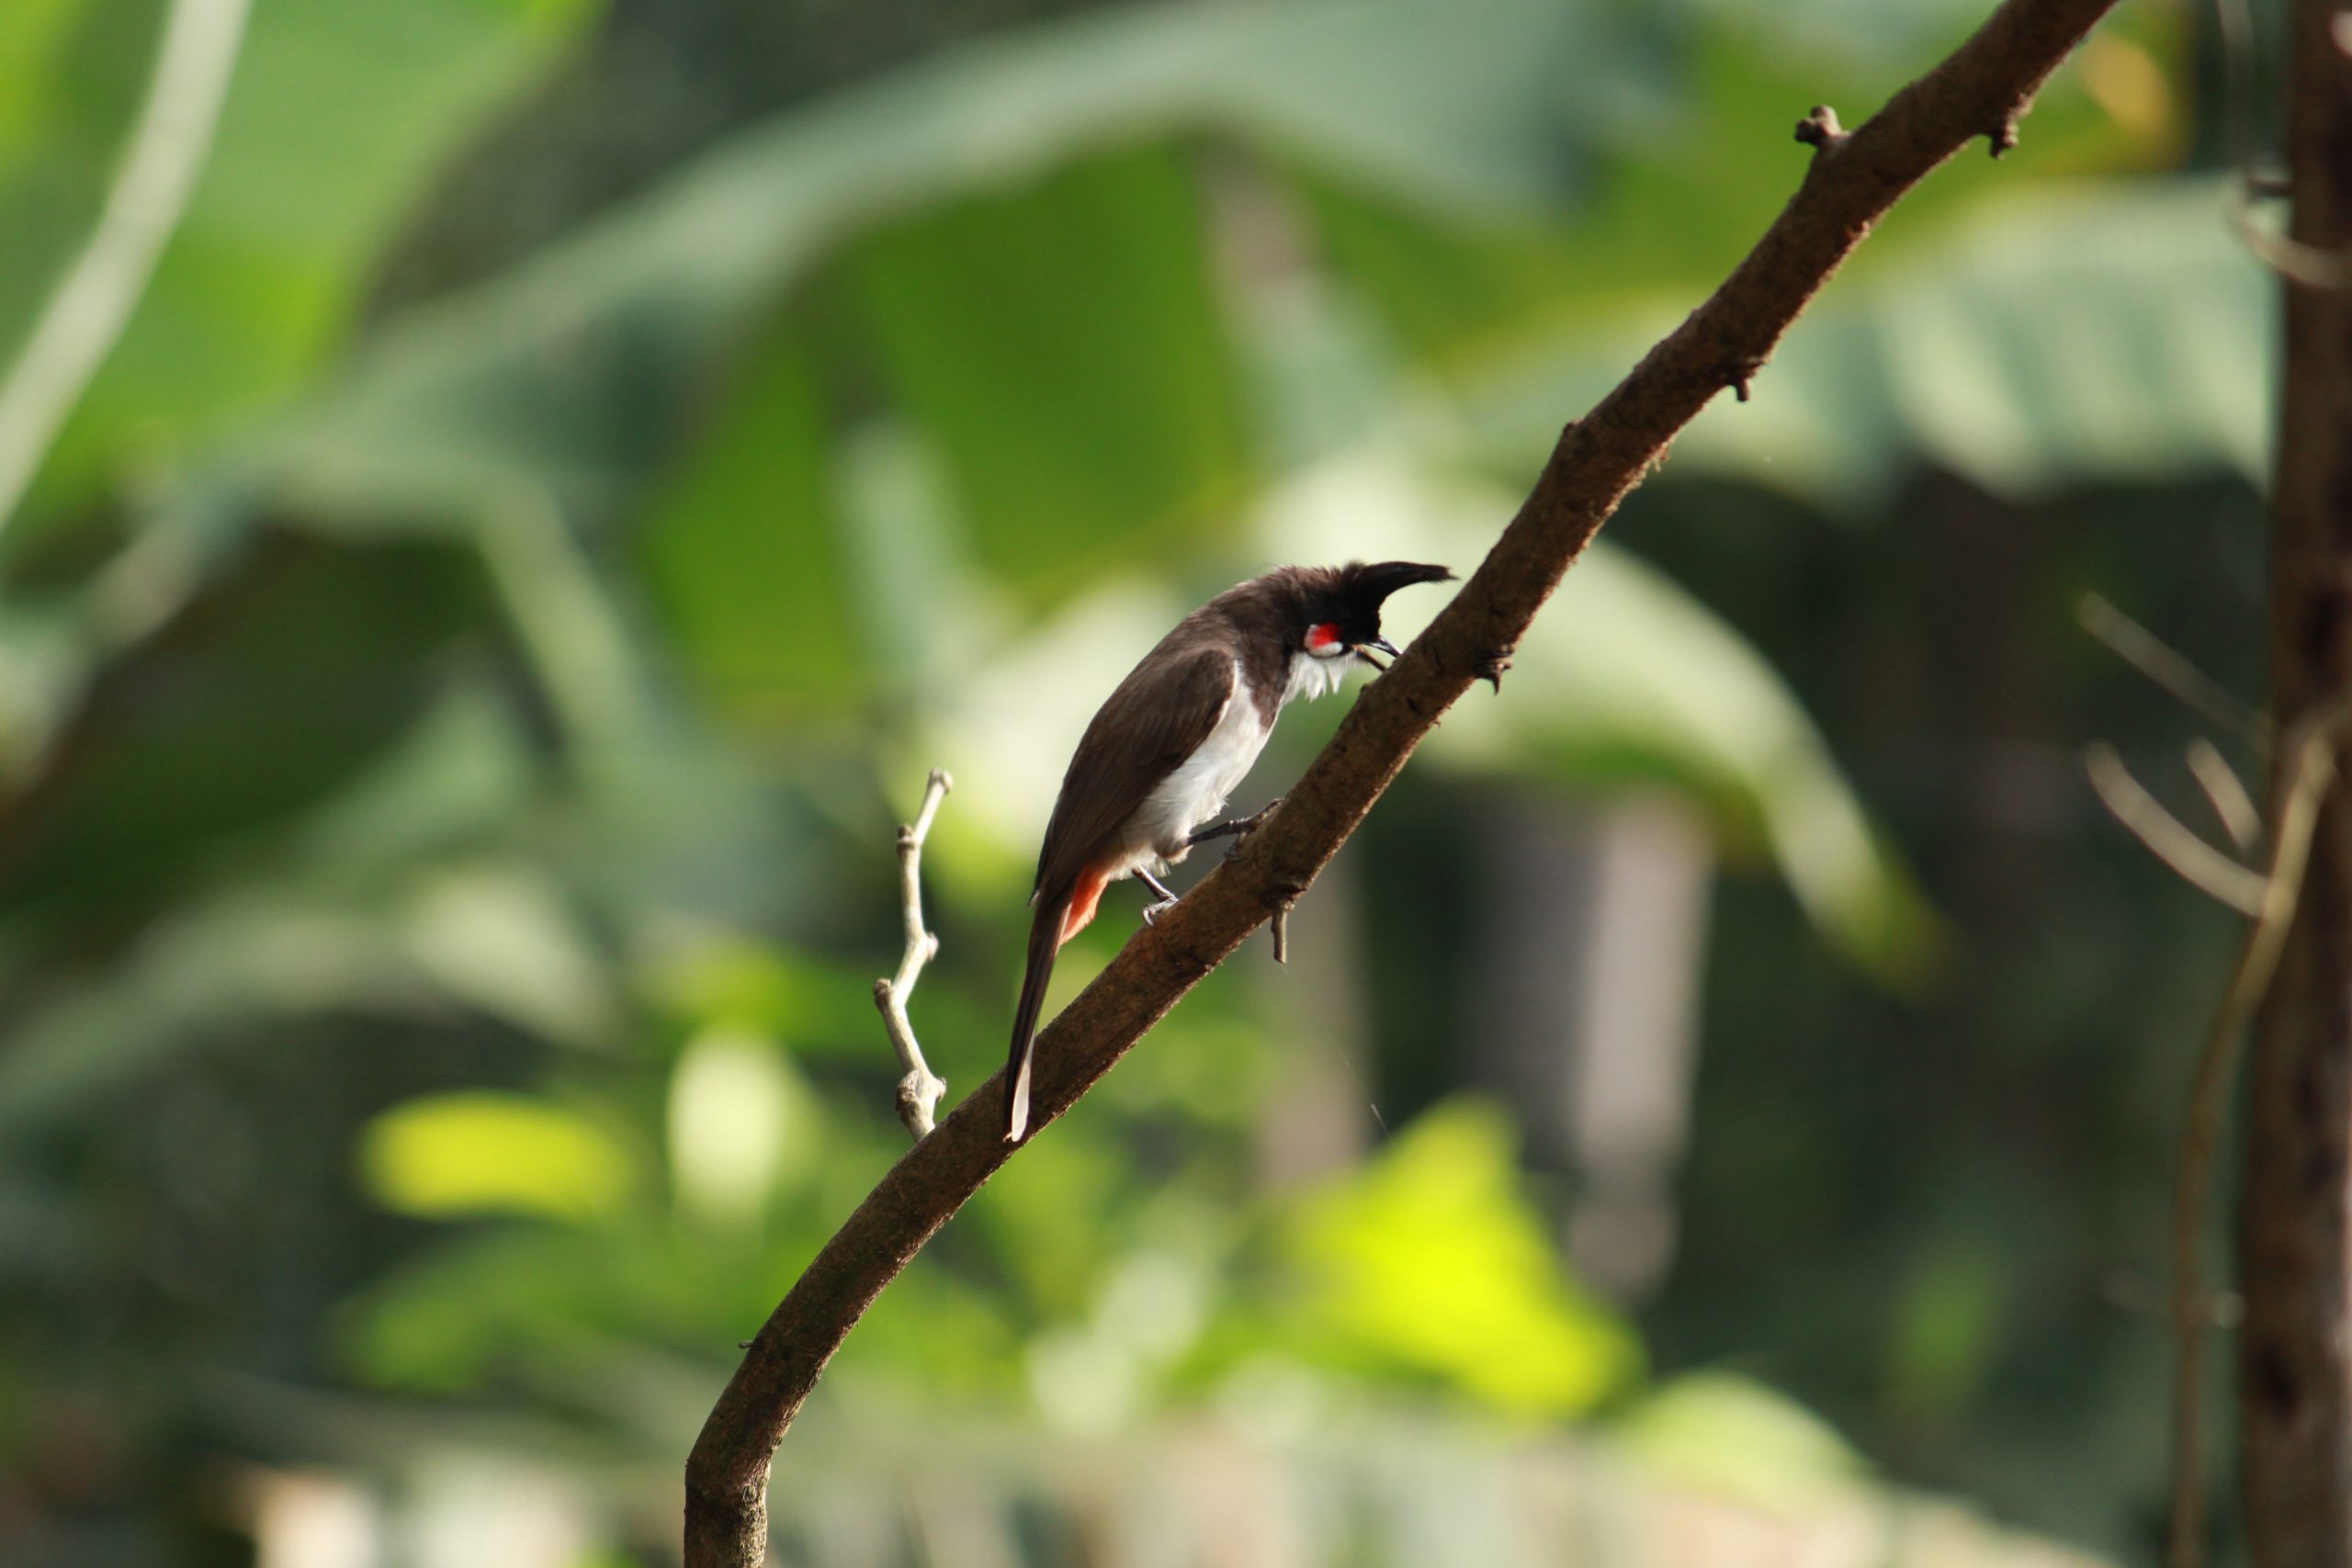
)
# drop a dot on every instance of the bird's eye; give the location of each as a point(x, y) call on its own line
point(1323, 638)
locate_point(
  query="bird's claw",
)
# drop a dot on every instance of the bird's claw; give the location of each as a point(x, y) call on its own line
point(1151, 912)
point(1246, 826)
point(1238, 830)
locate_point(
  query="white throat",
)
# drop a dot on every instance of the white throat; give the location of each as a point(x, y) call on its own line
point(1313, 676)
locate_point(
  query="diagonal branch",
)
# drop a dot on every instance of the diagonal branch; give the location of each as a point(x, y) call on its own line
point(1853, 179)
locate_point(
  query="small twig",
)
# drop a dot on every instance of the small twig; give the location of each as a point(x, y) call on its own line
point(2160, 663)
point(2200, 864)
point(920, 1089)
point(2240, 818)
point(2308, 771)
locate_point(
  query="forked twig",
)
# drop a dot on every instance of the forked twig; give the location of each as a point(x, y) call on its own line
point(2199, 864)
point(921, 1089)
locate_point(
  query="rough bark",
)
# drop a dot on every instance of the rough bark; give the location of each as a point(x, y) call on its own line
point(1979, 91)
point(2295, 1367)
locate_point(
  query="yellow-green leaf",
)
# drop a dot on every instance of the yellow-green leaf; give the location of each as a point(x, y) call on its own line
point(481, 1152)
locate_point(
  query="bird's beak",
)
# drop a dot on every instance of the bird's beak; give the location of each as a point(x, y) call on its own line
point(1383, 645)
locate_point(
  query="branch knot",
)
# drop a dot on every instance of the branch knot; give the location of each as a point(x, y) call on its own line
point(2003, 134)
point(1743, 370)
point(1820, 130)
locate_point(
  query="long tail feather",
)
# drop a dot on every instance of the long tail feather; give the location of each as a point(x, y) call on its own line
point(1045, 942)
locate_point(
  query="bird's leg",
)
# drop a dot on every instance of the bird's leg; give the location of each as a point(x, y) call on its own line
point(1238, 828)
point(1152, 912)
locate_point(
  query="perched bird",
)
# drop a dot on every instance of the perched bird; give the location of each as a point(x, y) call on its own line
point(1162, 753)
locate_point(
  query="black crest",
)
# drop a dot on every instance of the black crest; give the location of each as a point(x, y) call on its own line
point(1365, 588)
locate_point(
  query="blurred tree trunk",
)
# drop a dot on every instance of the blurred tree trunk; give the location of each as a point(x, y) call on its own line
point(2295, 1368)
point(1592, 919)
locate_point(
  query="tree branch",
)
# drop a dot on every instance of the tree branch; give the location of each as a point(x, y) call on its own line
point(1851, 182)
point(920, 1089)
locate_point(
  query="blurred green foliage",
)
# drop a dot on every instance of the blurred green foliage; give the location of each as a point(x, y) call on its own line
point(449, 734)
point(1431, 1260)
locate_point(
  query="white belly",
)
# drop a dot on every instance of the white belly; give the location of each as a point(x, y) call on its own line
point(1196, 791)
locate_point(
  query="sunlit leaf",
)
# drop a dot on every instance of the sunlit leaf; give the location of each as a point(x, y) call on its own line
point(481, 1152)
point(1431, 1260)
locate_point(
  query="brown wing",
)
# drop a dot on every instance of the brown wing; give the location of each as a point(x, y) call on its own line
point(1159, 717)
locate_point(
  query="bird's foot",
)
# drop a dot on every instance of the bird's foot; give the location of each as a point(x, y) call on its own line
point(1160, 906)
point(1238, 828)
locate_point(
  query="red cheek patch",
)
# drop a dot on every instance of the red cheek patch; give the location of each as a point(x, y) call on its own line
point(1322, 636)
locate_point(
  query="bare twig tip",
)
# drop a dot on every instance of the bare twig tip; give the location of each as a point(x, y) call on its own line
point(2003, 134)
point(1820, 130)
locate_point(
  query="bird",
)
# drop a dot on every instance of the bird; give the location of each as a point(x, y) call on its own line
point(1167, 746)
